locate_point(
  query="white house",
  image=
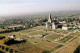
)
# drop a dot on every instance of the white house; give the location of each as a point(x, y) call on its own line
point(65, 27)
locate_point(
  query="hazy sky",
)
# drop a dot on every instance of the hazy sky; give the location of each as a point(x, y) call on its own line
point(13, 7)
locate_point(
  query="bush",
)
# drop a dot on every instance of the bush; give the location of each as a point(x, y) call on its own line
point(46, 52)
point(59, 46)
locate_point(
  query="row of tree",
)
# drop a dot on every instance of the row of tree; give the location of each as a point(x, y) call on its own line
point(13, 30)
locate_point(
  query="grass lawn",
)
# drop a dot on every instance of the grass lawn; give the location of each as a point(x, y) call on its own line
point(39, 27)
point(53, 36)
point(33, 40)
point(26, 48)
point(35, 33)
point(49, 46)
point(27, 31)
point(43, 47)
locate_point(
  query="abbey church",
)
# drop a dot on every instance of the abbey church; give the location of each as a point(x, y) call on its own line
point(54, 24)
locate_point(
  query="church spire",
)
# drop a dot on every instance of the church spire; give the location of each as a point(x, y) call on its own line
point(50, 20)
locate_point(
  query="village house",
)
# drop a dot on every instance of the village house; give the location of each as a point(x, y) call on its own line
point(65, 27)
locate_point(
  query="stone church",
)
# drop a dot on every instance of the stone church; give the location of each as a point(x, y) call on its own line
point(53, 24)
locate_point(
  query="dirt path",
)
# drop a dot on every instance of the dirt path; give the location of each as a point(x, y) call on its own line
point(59, 43)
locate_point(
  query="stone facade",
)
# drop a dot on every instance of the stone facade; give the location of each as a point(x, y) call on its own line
point(52, 24)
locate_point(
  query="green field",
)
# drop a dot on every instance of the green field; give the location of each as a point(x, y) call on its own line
point(27, 31)
point(35, 33)
point(53, 36)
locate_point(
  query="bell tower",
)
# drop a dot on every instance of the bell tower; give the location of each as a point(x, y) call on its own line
point(49, 19)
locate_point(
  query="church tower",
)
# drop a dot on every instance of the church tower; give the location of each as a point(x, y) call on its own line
point(50, 19)
point(52, 24)
point(48, 24)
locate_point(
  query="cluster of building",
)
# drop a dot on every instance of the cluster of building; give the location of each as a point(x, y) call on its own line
point(55, 24)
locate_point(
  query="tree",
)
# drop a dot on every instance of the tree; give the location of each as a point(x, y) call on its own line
point(45, 19)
